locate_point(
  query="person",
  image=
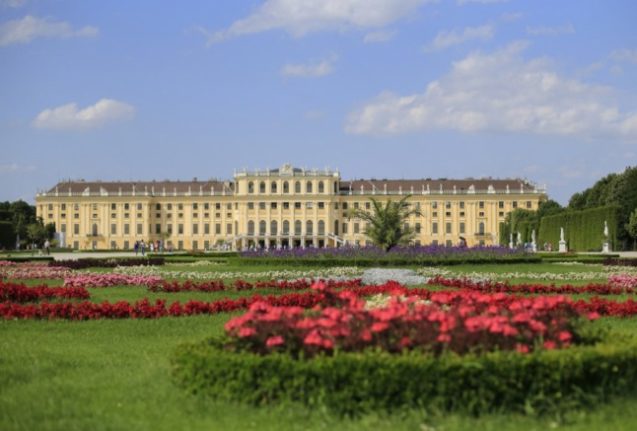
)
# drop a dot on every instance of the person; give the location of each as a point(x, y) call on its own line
point(151, 247)
point(142, 247)
point(47, 246)
point(136, 247)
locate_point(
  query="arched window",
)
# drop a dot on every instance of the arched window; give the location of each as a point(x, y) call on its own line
point(286, 227)
point(297, 227)
point(335, 227)
point(308, 187)
point(262, 187)
point(321, 227)
point(286, 187)
point(250, 187)
point(309, 228)
point(481, 228)
point(273, 187)
point(297, 187)
point(321, 187)
point(274, 227)
point(262, 226)
point(94, 230)
point(250, 228)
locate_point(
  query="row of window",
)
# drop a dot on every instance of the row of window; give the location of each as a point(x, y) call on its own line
point(309, 187)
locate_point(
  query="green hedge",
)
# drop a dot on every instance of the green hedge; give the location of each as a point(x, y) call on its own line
point(583, 230)
point(351, 383)
point(7, 235)
point(395, 261)
point(18, 258)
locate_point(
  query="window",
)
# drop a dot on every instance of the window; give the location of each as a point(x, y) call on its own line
point(262, 227)
point(274, 227)
point(321, 205)
point(206, 206)
point(447, 228)
point(261, 205)
point(297, 205)
point(448, 205)
point(434, 228)
point(308, 205)
point(461, 204)
point(448, 214)
point(113, 245)
point(321, 187)
point(229, 207)
point(273, 205)
point(335, 227)
point(434, 204)
point(297, 187)
point(113, 229)
point(500, 204)
point(528, 204)
point(417, 229)
point(206, 228)
point(180, 229)
point(355, 205)
point(206, 245)
point(434, 214)
point(309, 228)
point(250, 187)
point(321, 227)
point(344, 228)
point(286, 205)
point(169, 207)
point(250, 205)
point(140, 228)
point(481, 228)
point(126, 229)
point(63, 207)
point(286, 227)
point(344, 205)
point(481, 204)
point(158, 215)
point(195, 206)
point(63, 228)
point(158, 207)
point(195, 245)
point(113, 215)
point(139, 215)
point(461, 227)
point(76, 215)
point(229, 229)
point(180, 215)
point(180, 245)
point(113, 207)
point(206, 215)
point(367, 205)
point(217, 206)
point(273, 187)
point(515, 204)
point(158, 228)
point(139, 207)
point(308, 187)
point(218, 229)
point(297, 227)
point(195, 229)
point(356, 228)
point(169, 228)
point(76, 229)
point(195, 215)
point(501, 214)
point(286, 187)
point(481, 214)
point(250, 228)
point(180, 207)
point(94, 207)
point(262, 187)
point(461, 213)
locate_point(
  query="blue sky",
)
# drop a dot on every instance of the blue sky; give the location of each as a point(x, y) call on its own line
point(543, 90)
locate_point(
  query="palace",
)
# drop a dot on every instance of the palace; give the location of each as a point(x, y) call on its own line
point(285, 207)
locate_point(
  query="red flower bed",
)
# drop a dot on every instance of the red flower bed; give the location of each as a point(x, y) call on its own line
point(504, 287)
point(460, 323)
point(20, 293)
point(218, 285)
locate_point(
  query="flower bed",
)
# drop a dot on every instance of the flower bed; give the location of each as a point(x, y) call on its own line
point(349, 383)
point(106, 280)
point(20, 293)
point(617, 286)
point(337, 272)
point(218, 285)
point(108, 262)
point(34, 270)
point(624, 281)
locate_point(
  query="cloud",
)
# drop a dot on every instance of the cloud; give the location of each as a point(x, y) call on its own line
point(624, 55)
point(13, 168)
point(28, 28)
point(498, 92)
point(379, 36)
point(311, 70)
point(551, 31)
point(68, 117)
point(463, 2)
point(300, 17)
point(445, 39)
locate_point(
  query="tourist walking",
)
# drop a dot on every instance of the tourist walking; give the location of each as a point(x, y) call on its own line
point(142, 247)
point(136, 247)
point(47, 247)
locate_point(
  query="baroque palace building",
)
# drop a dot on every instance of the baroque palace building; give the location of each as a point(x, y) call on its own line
point(285, 207)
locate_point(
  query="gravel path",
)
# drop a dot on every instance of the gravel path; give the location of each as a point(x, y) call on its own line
point(403, 276)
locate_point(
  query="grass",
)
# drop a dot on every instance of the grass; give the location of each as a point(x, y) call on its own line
point(115, 375)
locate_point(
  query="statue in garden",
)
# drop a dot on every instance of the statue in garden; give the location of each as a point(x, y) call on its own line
point(606, 245)
point(563, 248)
point(533, 242)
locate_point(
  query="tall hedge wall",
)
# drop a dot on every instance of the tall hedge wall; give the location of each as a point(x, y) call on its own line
point(583, 230)
point(7, 235)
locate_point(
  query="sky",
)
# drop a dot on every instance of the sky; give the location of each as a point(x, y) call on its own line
point(140, 90)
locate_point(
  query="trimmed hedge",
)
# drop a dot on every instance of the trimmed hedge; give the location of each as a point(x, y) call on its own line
point(19, 259)
point(583, 230)
point(620, 261)
point(395, 261)
point(108, 262)
point(352, 383)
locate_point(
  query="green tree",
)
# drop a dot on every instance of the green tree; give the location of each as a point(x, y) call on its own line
point(631, 226)
point(387, 225)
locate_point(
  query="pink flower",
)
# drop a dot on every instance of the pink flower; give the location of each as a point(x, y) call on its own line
point(277, 340)
point(246, 332)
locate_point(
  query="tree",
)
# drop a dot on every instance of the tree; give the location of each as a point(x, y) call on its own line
point(631, 226)
point(37, 233)
point(387, 225)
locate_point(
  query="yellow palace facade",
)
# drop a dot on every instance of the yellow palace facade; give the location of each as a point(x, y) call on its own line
point(284, 207)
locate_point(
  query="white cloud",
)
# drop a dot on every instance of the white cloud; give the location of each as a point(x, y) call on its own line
point(310, 70)
point(551, 31)
point(68, 117)
point(379, 36)
point(28, 28)
point(624, 55)
point(13, 168)
point(445, 39)
point(462, 2)
point(501, 92)
point(300, 17)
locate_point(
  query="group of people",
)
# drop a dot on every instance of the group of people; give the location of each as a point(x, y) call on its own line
point(152, 246)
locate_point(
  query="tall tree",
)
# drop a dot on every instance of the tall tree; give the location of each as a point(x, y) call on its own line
point(387, 225)
point(631, 226)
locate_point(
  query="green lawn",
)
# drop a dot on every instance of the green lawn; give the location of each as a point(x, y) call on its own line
point(115, 375)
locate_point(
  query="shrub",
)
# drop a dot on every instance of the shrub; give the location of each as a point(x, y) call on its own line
point(351, 383)
point(108, 262)
point(625, 261)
